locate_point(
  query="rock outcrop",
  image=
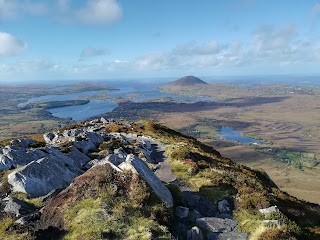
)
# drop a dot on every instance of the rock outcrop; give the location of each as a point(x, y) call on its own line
point(266, 211)
point(218, 228)
point(137, 165)
point(16, 156)
point(16, 207)
point(44, 175)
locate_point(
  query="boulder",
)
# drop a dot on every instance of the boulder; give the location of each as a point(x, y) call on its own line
point(95, 138)
point(223, 206)
point(149, 176)
point(266, 211)
point(79, 158)
point(14, 156)
point(71, 134)
point(214, 224)
point(103, 120)
point(28, 218)
point(194, 234)
point(22, 142)
point(115, 159)
point(182, 212)
point(196, 215)
point(82, 136)
point(96, 162)
point(85, 146)
point(201, 204)
point(44, 175)
point(145, 144)
point(17, 207)
point(51, 137)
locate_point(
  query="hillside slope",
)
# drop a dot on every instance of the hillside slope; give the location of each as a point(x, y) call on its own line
point(101, 180)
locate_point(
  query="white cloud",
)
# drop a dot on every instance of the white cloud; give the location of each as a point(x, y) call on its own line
point(270, 48)
point(87, 12)
point(268, 39)
point(267, 46)
point(93, 52)
point(10, 45)
point(99, 12)
point(10, 9)
point(152, 61)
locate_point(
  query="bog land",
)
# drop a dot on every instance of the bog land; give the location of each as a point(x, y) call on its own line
point(286, 117)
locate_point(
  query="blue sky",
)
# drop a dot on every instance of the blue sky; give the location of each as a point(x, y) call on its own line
point(110, 39)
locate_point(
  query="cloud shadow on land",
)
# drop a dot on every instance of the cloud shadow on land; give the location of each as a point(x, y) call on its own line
point(133, 110)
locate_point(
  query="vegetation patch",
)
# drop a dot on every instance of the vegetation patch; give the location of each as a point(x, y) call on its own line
point(116, 205)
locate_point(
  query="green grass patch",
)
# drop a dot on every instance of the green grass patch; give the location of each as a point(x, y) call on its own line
point(216, 193)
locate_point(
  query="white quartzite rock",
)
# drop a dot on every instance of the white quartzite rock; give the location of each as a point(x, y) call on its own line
point(134, 163)
point(194, 234)
point(14, 156)
point(269, 210)
point(44, 175)
point(17, 207)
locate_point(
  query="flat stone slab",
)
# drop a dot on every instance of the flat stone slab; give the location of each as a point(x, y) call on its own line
point(214, 224)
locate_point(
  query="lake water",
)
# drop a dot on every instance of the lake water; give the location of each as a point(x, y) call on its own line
point(146, 91)
point(228, 133)
point(79, 112)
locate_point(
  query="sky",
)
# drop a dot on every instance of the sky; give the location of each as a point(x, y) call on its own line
point(114, 39)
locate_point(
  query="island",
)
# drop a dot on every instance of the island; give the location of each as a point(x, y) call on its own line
point(54, 104)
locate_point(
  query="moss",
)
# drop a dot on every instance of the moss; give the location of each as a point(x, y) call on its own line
point(216, 193)
point(110, 145)
point(5, 187)
point(117, 206)
point(85, 220)
point(5, 224)
point(35, 202)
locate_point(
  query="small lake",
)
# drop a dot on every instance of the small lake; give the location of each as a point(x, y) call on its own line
point(144, 91)
point(79, 112)
point(230, 134)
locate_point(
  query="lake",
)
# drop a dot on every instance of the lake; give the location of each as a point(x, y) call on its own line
point(228, 133)
point(145, 91)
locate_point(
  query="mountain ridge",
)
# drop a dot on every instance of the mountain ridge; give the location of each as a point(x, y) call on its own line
point(111, 180)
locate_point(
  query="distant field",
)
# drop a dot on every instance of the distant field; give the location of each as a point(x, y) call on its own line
point(286, 117)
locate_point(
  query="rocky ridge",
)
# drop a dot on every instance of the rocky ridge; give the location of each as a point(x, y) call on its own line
point(146, 167)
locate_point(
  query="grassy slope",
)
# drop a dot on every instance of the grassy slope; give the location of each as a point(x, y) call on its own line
point(121, 205)
point(205, 170)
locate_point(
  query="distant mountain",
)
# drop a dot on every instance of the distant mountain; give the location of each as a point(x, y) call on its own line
point(187, 81)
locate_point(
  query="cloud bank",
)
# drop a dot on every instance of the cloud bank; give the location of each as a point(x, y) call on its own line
point(93, 12)
point(10, 45)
